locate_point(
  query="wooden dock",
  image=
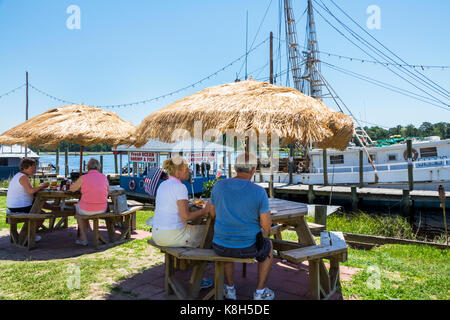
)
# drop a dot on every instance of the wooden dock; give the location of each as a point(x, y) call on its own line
point(356, 194)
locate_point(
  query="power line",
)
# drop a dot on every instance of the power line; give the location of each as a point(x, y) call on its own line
point(12, 91)
point(192, 85)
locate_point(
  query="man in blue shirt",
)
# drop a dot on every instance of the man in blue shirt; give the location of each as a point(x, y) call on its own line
point(241, 209)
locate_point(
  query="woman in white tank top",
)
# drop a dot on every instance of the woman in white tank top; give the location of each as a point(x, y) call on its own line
point(20, 192)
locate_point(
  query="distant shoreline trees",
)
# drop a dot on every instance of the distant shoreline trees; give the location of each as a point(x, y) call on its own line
point(73, 147)
point(426, 129)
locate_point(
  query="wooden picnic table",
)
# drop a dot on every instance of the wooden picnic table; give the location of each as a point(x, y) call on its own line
point(285, 214)
point(64, 200)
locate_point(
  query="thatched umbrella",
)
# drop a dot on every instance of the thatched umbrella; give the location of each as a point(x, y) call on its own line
point(80, 124)
point(250, 104)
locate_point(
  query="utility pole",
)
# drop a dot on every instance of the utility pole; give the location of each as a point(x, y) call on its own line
point(26, 109)
point(246, 45)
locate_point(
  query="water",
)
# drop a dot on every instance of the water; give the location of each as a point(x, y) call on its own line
point(74, 162)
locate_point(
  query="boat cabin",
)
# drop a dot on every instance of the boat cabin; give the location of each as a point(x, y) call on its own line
point(138, 166)
point(10, 157)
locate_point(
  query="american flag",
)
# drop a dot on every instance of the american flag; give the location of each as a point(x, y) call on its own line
point(151, 184)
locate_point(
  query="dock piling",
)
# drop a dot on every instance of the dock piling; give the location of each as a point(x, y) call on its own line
point(311, 194)
point(354, 198)
point(320, 215)
point(410, 164)
point(325, 167)
point(57, 162)
point(361, 171)
point(405, 202)
point(66, 163)
point(116, 168)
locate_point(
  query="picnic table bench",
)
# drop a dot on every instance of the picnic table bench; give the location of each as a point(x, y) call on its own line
point(26, 236)
point(118, 205)
point(172, 285)
point(332, 247)
point(111, 219)
point(285, 215)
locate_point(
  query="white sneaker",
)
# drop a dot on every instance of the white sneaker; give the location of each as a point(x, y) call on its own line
point(266, 295)
point(37, 238)
point(229, 293)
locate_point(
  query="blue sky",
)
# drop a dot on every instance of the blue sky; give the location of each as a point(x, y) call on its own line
point(129, 51)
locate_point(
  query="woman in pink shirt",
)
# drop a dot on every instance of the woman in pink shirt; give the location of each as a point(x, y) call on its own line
point(94, 196)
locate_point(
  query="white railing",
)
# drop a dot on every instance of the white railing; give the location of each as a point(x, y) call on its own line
point(442, 162)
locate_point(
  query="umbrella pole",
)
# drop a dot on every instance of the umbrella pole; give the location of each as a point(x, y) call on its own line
point(81, 160)
point(271, 195)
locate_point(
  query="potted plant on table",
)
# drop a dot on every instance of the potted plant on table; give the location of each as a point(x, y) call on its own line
point(208, 186)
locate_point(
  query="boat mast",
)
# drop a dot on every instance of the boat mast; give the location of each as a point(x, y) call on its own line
point(292, 43)
point(311, 77)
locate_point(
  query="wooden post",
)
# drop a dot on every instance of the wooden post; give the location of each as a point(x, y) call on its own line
point(405, 202)
point(442, 198)
point(271, 192)
point(81, 160)
point(57, 162)
point(116, 168)
point(291, 164)
point(311, 193)
point(101, 163)
point(325, 167)
point(354, 198)
point(66, 162)
point(410, 164)
point(320, 215)
point(361, 168)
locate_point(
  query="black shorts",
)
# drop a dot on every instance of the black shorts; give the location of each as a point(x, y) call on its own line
point(23, 210)
point(249, 252)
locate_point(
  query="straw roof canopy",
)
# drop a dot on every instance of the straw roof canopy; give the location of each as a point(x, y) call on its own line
point(80, 124)
point(250, 104)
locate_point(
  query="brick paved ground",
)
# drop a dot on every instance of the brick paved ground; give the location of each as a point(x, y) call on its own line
point(289, 281)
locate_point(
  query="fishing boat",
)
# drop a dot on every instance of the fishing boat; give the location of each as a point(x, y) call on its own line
point(388, 167)
point(10, 157)
point(206, 160)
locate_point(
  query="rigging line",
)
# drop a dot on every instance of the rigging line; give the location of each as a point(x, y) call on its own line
point(351, 114)
point(413, 66)
point(329, 23)
point(380, 53)
point(385, 46)
point(383, 84)
point(254, 39)
point(159, 97)
point(12, 91)
point(389, 63)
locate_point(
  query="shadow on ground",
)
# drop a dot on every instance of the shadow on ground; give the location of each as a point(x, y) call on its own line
point(59, 244)
point(289, 282)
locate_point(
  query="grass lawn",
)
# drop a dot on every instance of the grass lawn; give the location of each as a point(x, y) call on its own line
point(387, 272)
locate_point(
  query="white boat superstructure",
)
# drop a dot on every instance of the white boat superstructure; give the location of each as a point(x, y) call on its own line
point(431, 166)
